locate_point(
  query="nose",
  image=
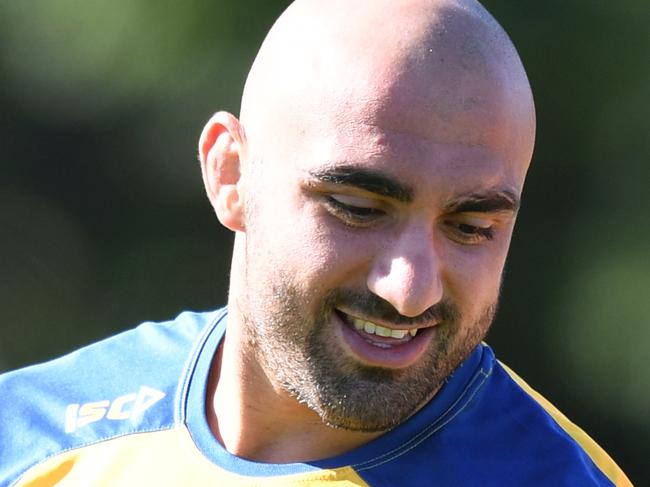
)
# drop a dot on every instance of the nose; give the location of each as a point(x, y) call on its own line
point(408, 273)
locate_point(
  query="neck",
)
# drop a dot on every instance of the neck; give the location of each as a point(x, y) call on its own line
point(256, 419)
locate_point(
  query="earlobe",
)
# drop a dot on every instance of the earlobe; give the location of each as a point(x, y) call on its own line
point(220, 152)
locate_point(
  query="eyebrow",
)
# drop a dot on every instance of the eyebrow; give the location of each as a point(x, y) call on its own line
point(485, 202)
point(488, 201)
point(368, 180)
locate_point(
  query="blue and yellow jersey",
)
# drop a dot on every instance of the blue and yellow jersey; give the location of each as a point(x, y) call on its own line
point(130, 411)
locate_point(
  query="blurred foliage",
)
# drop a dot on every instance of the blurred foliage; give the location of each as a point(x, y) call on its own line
point(104, 222)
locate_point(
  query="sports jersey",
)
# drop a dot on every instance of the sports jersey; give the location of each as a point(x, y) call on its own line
point(130, 411)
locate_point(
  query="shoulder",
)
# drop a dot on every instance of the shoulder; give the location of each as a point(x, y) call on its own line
point(529, 440)
point(121, 385)
point(565, 445)
point(490, 428)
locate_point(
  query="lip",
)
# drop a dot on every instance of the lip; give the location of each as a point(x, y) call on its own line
point(398, 355)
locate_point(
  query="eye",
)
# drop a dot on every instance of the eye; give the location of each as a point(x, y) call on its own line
point(470, 231)
point(354, 211)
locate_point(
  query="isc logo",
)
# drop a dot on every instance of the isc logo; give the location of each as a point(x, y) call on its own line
point(129, 406)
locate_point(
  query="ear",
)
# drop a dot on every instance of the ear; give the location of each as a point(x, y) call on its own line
point(220, 150)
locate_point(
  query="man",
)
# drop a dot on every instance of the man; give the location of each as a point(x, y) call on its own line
point(372, 182)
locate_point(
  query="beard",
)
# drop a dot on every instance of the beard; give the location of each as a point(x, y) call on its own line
point(292, 338)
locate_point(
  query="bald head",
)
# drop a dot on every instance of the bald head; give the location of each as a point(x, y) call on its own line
point(437, 68)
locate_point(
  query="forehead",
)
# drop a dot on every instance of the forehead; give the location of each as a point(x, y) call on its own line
point(431, 168)
point(458, 133)
point(440, 94)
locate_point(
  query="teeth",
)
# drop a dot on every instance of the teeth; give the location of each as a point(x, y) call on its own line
point(381, 331)
point(398, 333)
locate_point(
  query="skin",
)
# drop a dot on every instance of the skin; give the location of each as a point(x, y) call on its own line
point(375, 173)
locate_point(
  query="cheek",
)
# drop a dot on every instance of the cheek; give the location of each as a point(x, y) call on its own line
point(332, 255)
point(293, 237)
point(474, 277)
point(335, 255)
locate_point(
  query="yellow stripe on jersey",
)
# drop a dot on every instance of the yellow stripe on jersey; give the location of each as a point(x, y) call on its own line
point(53, 476)
point(599, 456)
point(161, 458)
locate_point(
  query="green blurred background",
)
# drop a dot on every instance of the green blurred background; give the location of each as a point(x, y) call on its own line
point(104, 223)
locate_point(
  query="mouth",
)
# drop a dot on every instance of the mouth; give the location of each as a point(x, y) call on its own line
point(372, 329)
point(383, 345)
